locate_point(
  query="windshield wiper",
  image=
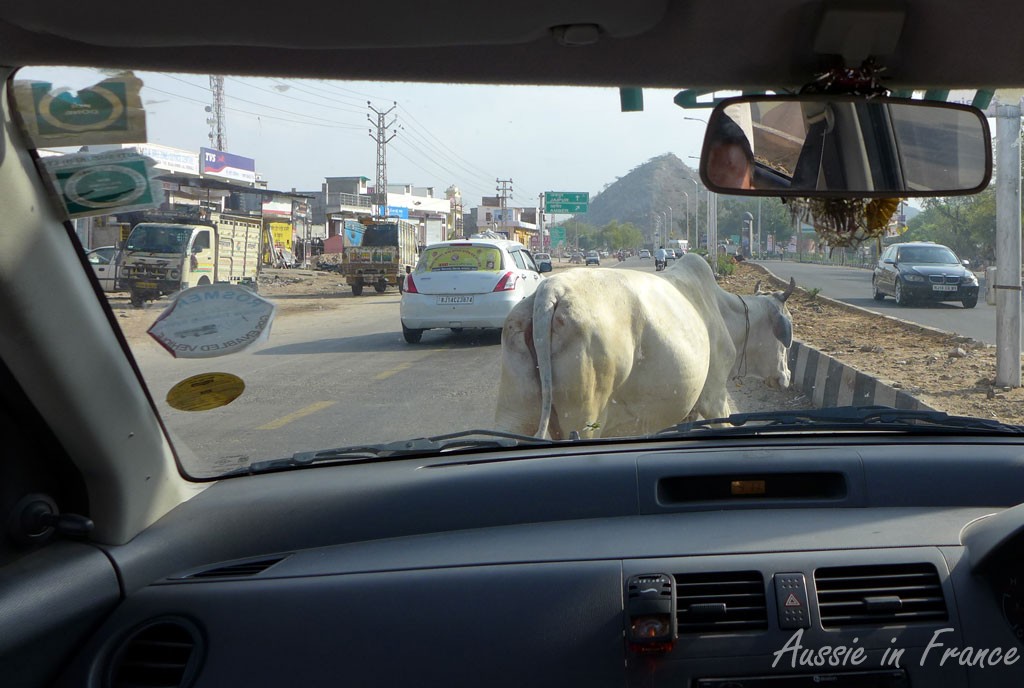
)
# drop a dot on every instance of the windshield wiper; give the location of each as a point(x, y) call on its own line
point(439, 444)
point(880, 418)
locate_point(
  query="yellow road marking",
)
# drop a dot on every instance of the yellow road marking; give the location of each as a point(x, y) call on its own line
point(285, 420)
point(397, 369)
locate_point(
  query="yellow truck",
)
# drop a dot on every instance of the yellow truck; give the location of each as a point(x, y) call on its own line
point(379, 260)
point(165, 257)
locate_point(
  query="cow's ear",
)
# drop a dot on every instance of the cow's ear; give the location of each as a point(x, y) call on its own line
point(782, 328)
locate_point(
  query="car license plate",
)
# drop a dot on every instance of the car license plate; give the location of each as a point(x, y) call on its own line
point(453, 300)
point(944, 287)
point(146, 285)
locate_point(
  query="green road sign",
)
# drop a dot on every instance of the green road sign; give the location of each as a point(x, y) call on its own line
point(557, 236)
point(566, 202)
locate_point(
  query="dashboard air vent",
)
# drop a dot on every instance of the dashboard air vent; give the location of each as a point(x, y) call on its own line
point(247, 568)
point(879, 595)
point(720, 602)
point(161, 654)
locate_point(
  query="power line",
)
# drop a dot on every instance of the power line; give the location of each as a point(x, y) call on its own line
point(422, 126)
point(398, 151)
point(289, 96)
point(452, 175)
point(440, 154)
point(254, 114)
point(417, 131)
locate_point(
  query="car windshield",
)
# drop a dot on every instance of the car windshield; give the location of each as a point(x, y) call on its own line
point(374, 289)
point(460, 257)
point(158, 238)
point(935, 255)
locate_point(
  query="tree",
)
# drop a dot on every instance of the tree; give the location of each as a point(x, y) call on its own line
point(967, 224)
point(615, 236)
point(775, 217)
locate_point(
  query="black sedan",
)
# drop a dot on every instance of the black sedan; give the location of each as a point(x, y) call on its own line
point(923, 271)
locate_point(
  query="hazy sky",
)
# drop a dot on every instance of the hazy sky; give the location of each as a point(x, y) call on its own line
point(300, 131)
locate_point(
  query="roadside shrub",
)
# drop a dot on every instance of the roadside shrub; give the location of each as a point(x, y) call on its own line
point(726, 265)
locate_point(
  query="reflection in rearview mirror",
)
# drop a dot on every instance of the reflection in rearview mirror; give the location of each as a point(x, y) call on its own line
point(845, 146)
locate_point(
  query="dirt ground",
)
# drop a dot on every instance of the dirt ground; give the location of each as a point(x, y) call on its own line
point(948, 372)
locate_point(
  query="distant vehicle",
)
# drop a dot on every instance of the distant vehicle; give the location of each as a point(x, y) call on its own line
point(105, 262)
point(543, 261)
point(644, 253)
point(593, 258)
point(470, 283)
point(923, 271)
point(387, 248)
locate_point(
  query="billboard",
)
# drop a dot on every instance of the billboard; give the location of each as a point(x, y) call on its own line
point(280, 208)
point(167, 158)
point(215, 163)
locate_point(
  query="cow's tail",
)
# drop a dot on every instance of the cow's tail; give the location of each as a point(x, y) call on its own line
point(544, 306)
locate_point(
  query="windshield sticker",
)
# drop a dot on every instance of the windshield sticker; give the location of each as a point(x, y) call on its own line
point(103, 183)
point(449, 258)
point(108, 112)
point(213, 320)
point(206, 391)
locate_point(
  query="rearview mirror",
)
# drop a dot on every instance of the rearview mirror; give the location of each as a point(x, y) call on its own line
point(845, 146)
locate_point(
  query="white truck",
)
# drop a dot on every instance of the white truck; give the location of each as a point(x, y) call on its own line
point(165, 257)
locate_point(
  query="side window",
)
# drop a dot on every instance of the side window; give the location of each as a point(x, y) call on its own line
point(202, 242)
point(517, 256)
point(97, 258)
point(889, 253)
point(530, 263)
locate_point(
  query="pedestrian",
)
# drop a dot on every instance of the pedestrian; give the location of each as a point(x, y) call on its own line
point(402, 279)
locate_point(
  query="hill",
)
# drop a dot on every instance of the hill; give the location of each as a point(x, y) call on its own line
point(650, 188)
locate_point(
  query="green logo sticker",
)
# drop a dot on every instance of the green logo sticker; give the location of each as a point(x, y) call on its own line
point(108, 112)
point(99, 108)
point(97, 184)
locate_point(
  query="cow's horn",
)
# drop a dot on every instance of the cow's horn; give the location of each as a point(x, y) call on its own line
point(757, 287)
point(789, 290)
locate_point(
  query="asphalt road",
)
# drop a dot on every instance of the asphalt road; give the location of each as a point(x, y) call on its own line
point(345, 376)
point(853, 286)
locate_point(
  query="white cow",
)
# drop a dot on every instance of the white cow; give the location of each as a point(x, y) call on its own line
point(620, 352)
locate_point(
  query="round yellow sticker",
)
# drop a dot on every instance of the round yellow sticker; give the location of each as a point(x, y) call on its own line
point(206, 391)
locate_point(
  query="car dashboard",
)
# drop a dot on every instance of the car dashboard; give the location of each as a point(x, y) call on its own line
point(777, 562)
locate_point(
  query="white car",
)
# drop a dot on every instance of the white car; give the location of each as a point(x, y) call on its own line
point(644, 253)
point(471, 283)
point(105, 261)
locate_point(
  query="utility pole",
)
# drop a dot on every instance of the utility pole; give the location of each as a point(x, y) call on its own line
point(696, 218)
point(1008, 246)
point(218, 125)
point(380, 191)
point(544, 246)
point(505, 190)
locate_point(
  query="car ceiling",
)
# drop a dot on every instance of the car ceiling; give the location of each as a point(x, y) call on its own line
point(693, 43)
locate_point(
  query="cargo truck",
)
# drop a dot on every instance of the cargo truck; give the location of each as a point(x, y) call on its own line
point(161, 258)
point(387, 248)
